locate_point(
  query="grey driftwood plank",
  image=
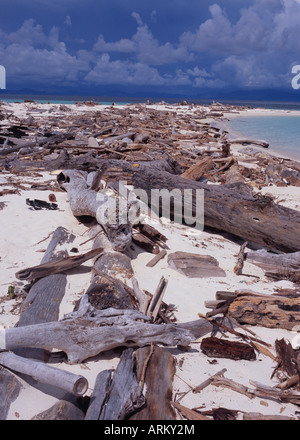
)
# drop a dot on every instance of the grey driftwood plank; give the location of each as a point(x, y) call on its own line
point(125, 394)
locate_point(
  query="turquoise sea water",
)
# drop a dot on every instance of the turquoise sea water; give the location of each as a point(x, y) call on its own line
point(281, 132)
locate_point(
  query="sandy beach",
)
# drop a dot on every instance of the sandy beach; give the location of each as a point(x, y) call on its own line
point(25, 234)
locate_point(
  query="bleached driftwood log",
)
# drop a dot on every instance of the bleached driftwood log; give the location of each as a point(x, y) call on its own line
point(44, 373)
point(88, 332)
point(104, 207)
point(279, 266)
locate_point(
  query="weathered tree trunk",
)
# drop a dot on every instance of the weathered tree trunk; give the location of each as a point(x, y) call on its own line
point(234, 209)
point(279, 266)
point(89, 331)
point(87, 202)
point(99, 395)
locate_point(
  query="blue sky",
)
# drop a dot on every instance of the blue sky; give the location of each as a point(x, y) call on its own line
point(197, 47)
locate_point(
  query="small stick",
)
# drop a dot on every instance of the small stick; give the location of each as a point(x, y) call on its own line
point(240, 260)
point(156, 259)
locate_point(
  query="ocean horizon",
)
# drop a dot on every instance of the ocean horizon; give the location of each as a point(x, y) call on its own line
point(281, 132)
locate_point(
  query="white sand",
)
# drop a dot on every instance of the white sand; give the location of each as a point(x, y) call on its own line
point(21, 234)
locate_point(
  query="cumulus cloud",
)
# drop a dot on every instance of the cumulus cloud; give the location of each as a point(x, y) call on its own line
point(255, 49)
point(145, 47)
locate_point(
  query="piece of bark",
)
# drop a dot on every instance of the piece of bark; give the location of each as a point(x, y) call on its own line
point(195, 172)
point(44, 373)
point(125, 396)
point(195, 265)
point(222, 348)
point(58, 266)
point(266, 311)
point(144, 242)
point(99, 395)
point(286, 357)
point(106, 291)
point(240, 259)
point(157, 376)
point(152, 233)
point(10, 388)
point(88, 332)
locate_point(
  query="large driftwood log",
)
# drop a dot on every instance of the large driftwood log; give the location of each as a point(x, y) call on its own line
point(88, 332)
point(44, 373)
point(234, 209)
point(278, 266)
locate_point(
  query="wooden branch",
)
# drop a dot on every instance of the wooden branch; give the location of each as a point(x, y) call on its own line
point(157, 298)
point(58, 266)
point(88, 332)
point(44, 373)
point(240, 259)
point(142, 298)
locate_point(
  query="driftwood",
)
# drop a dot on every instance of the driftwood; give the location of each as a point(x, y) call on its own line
point(240, 259)
point(277, 266)
point(222, 348)
point(87, 202)
point(68, 408)
point(234, 209)
point(266, 310)
point(157, 258)
point(195, 265)
point(88, 332)
point(9, 391)
point(155, 370)
point(58, 266)
point(195, 172)
point(99, 395)
point(125, 395)
point(260, 143)
point(44, 373)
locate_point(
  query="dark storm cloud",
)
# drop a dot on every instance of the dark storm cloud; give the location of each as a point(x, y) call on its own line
point(195, 44)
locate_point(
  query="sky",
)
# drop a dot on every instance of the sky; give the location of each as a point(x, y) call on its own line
point(200, 48)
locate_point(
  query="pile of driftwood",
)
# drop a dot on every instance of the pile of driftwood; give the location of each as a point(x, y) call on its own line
point(148, 149)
